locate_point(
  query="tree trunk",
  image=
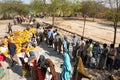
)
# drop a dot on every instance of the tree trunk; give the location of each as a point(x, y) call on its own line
point(93, 18)
point(115, 31)
point(53, 20)
point(84, 26)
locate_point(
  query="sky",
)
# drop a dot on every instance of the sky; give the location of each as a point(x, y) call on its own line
point(28, 1)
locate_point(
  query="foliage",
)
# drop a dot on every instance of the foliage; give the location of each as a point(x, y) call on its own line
point(91, 8)
point(13, 7)
point(37, 6)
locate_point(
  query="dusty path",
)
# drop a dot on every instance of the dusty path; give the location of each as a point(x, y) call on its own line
point(98, 32)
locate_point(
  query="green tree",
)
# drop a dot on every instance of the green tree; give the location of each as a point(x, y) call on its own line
point(54, 9)
point(13, 7)
point(38, 6)
point(91, 8)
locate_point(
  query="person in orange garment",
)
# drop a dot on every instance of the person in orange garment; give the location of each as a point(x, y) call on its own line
point(41, 67)
point(50, 73)
point(79, 71)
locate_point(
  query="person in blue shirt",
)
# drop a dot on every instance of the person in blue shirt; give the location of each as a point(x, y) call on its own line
point(50, 37)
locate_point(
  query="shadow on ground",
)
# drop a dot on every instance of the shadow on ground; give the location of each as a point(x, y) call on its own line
point(16, 68)
point(50, 51)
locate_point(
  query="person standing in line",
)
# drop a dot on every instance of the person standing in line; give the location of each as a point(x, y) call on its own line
point(96, 51)
point(75, 46)
point(66, 67)
point(85, 52)
point(75, 40)
point(9, 28)
point(89, 52)
point(55, 40)
point(103, 56)
point(80, 49)
point(111, 57)
point(79, 70)
point(66, 44)
point(117, 60)
point(59, 42)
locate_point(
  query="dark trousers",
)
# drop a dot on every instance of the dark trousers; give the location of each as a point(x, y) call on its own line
point(55, 46)
point(59, 48)
point(109, 63)
point(9, 31)
point(50, 42)
point(117, 64)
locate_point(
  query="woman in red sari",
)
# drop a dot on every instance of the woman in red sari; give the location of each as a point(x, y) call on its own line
point(41, 67)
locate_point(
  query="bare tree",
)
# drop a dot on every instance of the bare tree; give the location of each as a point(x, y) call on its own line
point(114, 5)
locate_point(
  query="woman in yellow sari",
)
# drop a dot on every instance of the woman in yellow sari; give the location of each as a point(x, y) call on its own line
point(79, 71)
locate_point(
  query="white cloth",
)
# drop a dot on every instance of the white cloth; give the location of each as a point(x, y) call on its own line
point(48, 75)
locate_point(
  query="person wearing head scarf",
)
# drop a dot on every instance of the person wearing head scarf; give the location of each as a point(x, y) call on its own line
point(41, 67)
point(32, 63)
point(66, 67)
point(32, 56)
point(50, 73)
point(25, 66)
point(79, 71)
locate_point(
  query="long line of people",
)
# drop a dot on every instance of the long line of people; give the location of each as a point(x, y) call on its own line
point(93, 55)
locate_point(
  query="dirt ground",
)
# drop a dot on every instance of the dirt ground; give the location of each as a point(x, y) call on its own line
point(98, 31)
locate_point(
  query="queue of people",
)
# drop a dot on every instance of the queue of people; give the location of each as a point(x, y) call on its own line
point(92, 54)
point(95, 56)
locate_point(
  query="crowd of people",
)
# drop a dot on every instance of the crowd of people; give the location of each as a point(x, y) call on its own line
point(92, 54)
point(84, 53)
